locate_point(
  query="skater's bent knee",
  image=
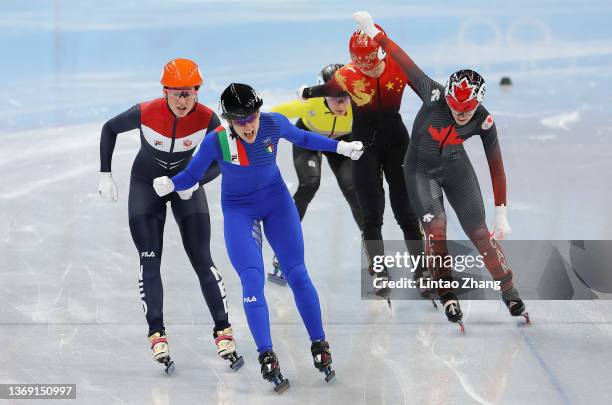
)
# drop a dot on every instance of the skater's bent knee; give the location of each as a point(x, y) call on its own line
point(479, 235)
point(297, 276)
point(205, 271)
point(308, 190)
point(251, 275)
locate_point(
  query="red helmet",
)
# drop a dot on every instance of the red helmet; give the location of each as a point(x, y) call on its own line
point(366, 53)
point(464, 90)
point(181, 73)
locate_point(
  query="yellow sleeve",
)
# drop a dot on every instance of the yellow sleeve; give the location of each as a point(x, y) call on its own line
point(292, 109)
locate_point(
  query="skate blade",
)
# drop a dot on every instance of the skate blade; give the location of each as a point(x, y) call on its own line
point(526, 316)
point(330, 375)
point(282, 386)
point(461, 327)
point(169, 370)
point(237, 364)
point(273, 278)
point(434, 303)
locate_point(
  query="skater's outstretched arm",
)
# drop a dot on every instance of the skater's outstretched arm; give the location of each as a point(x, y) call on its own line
point(204, 157)
point(422, 84)
point(314, 141)
point(333, 88)
point(302, 138)
point(212, 173)
point(126, 121)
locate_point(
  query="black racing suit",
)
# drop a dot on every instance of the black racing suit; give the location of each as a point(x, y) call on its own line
point(378, 124)
point(167, 144)
point(437, 161)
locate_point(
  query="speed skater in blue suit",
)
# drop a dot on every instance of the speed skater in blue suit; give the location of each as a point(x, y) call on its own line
point(253, 194)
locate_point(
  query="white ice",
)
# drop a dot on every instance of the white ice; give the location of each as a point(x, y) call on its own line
point(69, 305)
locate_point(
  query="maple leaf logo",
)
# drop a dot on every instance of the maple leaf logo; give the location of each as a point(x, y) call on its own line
point(463, 91)
point(445, 136)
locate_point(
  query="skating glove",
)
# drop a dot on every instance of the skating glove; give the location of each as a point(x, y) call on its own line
point(186, 194)
point(501, 227)
point(366, 23)
point(107, 189)
point(354, 149)
point(163, 185)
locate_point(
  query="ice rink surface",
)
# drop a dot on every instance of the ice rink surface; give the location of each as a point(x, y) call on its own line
point(69, 305)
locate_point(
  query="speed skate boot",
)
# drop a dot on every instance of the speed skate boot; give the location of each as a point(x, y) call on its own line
point(450, 303)
point(161, 352)
point(270, 370)
point(277, 276)
point(515, 304)
point(322, 358)
point(226, 348)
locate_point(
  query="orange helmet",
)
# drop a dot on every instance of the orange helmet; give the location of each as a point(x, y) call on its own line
point(181, 73)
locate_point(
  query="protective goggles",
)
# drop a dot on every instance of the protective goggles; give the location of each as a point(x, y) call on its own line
point(243, 121)
point(178, 93)
point(461, 106)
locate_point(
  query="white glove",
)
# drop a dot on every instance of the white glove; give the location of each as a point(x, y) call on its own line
point(501, 227)
point(366, 23)
point(354, 149)
point(107, 189)
point(300, 93)
point(163, 185)
point(186, 194)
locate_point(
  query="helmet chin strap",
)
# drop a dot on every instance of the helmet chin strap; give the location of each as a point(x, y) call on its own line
point(327, 105)
point(232, 132)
